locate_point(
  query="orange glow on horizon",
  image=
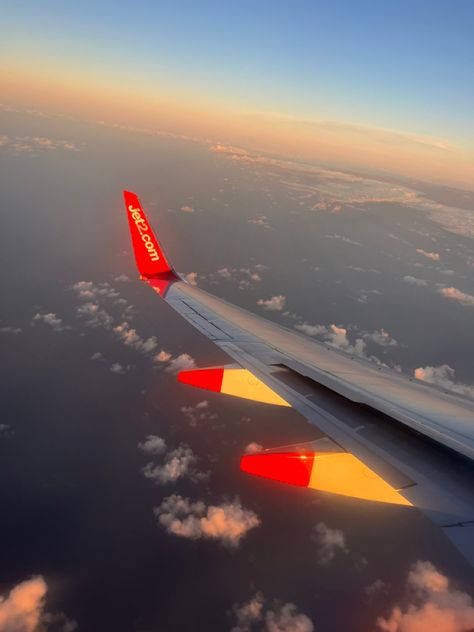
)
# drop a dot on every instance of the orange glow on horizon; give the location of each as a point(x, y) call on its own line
point(346, 145)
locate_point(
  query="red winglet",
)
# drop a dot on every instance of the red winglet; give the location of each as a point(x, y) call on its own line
point(148, 254)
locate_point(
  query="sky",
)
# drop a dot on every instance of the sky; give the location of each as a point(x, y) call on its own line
point(372, 85)
point(309, 162)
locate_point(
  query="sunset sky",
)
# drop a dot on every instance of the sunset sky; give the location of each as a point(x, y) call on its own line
point(310, 162)
point(386, 86)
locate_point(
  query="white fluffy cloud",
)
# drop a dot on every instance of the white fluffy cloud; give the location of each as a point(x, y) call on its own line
point(329, 542)
point(119, 369)
point(245, 278)
point(199, 413)
point(162, 356)
point(153, 445)
point(276, 617)
point(183, 362)
point(227, 523)
point(443, 376)
point(261, 220)
point(411, 280)
point(49, 319)
point(178, 463)
point(456, 295)
point(311, 330)
point(337, 337)
point(432, 605)
point(94, 316)
point(253, 448)
point(381, 337)
point(274, 304)
point(23, 610)
point(286, 618)
point(187, 209)
point(131, 338)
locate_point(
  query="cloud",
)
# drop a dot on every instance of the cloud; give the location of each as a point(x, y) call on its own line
point(178, 463)
point(119, 369)
point(277, 617)
point(329, 542)
point(343, 238)
point(253, 448)
point(183, 362)
point(153, 445)
point(246, 278)
point(14, 331)
point(132, 339)
point(227, 523)
point(97, 357)
point(456, 295)
point(431, 605)
point(337, 337)
point(94, 316)
point(199, 413)
point(51, 320)
point(187, 209)
point(23, 610)
point(121, 278)
point(35, 144)
point(443, 376)
point(248, 613)
point(411, 280)
point(381, 337)
point(286, 618)
point(274, 304)
point(261, 220)
point(434, 256)
point(163, 356)
point(86, 290)
point(191, 278)
point(375, 589)
point(312, 330)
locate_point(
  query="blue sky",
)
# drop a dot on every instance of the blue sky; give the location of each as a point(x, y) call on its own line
point(401, 65)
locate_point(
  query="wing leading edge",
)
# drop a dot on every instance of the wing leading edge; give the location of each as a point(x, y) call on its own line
point(412, 437)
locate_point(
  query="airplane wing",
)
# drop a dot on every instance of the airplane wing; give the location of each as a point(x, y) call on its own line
point(387, 437)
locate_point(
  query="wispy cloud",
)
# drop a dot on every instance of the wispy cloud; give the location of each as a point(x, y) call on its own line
point(329, 542)
point(50, 319)
point(198, 414)
point(434, 256)
point(13, 331)
point(35, 144)
point(119, 369)
point(411, 280)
